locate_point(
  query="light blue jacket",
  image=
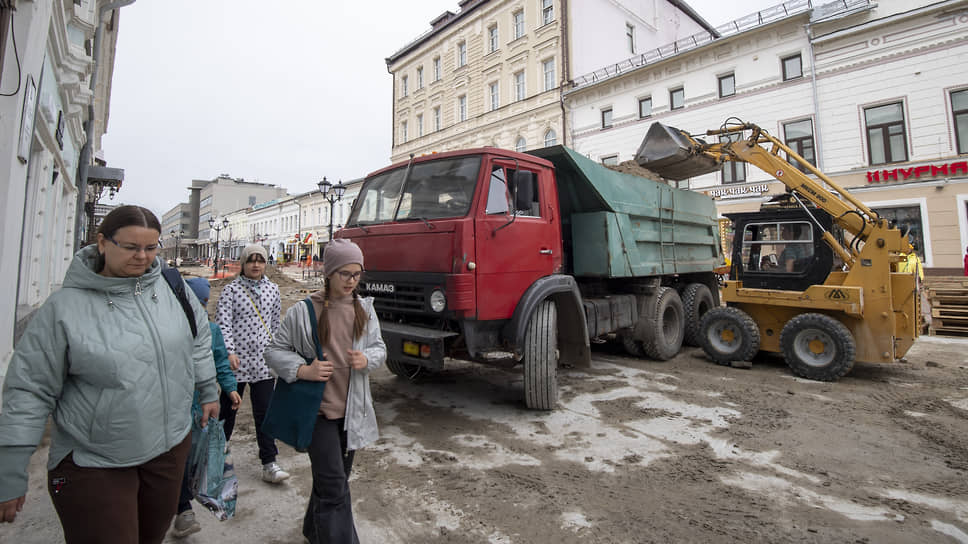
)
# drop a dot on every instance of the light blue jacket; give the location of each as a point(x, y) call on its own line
point(113, 360)
point(293, 344)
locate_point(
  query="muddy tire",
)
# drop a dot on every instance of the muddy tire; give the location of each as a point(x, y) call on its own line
point(632, 346)
point(407, 371)
point(818, 347)
point(728, 334)
point(541, 358)
point(697, 299)
point(660, 326)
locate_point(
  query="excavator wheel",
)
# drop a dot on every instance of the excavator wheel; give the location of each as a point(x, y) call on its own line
point(697, 299)
point(818, 347)
point(729, 334)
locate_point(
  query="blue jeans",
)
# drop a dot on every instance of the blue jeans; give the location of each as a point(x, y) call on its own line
point(329, 515)
point(260, 395)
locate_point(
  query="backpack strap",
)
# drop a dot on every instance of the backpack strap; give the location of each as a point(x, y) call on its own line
point(177, 284)
point(315, 325)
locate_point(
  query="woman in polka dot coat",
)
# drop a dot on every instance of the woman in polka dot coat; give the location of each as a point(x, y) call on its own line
point(248, 313)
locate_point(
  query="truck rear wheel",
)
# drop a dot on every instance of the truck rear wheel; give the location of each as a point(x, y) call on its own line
point(660, 326)
point(405, 370)
point(697, 299)
point(632, 346)
point(818, 347)
point(729, 334)
point(541, 358)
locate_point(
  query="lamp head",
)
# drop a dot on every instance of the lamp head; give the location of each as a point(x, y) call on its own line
point(340, 190)
point(324, 186)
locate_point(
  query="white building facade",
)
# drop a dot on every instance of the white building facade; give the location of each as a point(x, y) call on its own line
point(875, 94)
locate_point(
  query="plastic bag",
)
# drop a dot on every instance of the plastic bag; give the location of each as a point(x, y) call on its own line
point(212, 485)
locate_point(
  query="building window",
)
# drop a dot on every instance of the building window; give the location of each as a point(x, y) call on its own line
point(518, 18)
point(420, 77)
point(610, 160)
point(495, 91)
point(677, 98)
point(792, 67)
point(462, 108)
point(519, 89)
point(403, 86)
point(885, 133)
point(550, 138)
point(645, 107)
point(461, 54)
point(436, 68)
point(799, 137)
point(607, 118)
point(521, 145)
point(727, 85)
point(436, 118)
point(492, 39)
point(906, 218)
point(547, 11)
point(419, 125)
point(548, 67)
point(959, 107)
point(403, 132)
point(630, 37)
point(733, 171)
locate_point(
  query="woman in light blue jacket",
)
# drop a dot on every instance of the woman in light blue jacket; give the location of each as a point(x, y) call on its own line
point(349, 333)
point(112, 358)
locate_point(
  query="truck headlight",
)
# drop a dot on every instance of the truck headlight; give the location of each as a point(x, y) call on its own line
point(438, 301)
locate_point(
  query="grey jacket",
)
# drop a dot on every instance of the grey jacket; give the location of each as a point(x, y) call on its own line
point(294, 343)
point(113, 360)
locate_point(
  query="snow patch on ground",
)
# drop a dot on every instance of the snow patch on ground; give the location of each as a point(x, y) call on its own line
point(575, 521)
point(950, 530)
point(958, 508)
point(786, 492)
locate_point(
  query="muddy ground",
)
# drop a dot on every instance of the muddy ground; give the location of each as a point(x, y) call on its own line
point(638, 451)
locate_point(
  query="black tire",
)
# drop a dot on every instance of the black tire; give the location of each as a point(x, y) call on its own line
point(541, 358)
point(408, 371)
point(632, 346)
point(729, 334)
point(818, 347)
point(660, 326)
point(697, 299)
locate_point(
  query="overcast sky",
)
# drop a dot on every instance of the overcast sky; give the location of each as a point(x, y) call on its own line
point(281, 92)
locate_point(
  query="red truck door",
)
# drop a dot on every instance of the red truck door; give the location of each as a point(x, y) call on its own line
point(515, 247)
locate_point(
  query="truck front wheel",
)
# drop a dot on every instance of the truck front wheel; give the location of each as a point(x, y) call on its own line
point(405, 370)
point(729, 334)
point(541, 358)
point(818, 347)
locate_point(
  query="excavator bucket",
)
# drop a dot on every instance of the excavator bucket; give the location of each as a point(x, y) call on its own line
point(667, 151)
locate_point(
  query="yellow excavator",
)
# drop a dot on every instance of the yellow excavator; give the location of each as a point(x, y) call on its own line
point(813, 273)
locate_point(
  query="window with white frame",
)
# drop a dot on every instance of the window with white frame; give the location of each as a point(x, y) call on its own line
point(798, 136)
point(436, 118)
point(547, 11)
point(550, 137)
point(521, 145)
point(494, 91)
point(420, 77)
point(727, 85)
point(492, 39)
point(419, 125)
point(886, 139)
point(959, 109)
point(792, 67)
point(548, 68)
point(403, 132)
point(462, 108)
point(519, 88)
point(518, 19)
point(403, 86)
point(606, 118)
point(677, 98)
point(461, 54)
point(645, 107)
point(630, 37)
point(437, 69)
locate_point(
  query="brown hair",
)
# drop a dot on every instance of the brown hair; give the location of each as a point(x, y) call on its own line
point(125, 216)
point(359, 322)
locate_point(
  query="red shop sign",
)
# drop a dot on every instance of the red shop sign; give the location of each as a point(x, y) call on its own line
point(917, 172)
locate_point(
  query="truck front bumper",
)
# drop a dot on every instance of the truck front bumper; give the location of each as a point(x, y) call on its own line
point(415, 345)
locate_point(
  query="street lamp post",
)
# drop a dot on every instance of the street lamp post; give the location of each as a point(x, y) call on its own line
point(212, 224)
point(332, 194)
point(177, 236)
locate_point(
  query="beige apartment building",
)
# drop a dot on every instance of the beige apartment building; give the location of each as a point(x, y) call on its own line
point(492, 73)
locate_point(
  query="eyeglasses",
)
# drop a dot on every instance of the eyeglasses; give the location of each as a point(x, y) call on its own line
point(347, 276)
point(133, 249)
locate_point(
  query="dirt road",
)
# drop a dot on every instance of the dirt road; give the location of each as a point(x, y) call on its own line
point(638, 451)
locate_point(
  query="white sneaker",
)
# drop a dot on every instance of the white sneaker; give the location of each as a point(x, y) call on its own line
point(185, 525)
point(272, 473)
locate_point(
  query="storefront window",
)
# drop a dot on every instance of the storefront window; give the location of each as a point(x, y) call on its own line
point(907, 218)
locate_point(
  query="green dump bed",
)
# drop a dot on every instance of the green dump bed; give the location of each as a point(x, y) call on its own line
point(619, 225)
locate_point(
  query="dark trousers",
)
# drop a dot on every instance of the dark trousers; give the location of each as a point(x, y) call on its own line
point(129, 505)
point(329, 516)
point(259, 396)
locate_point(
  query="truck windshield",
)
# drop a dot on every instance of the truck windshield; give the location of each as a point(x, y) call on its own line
point(434, 190)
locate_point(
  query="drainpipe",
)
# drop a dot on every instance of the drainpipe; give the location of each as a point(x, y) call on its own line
point(817, 147)
point(84, 158)
point(565, 71)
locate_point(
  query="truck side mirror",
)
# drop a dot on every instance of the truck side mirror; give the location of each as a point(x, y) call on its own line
point(523, 190)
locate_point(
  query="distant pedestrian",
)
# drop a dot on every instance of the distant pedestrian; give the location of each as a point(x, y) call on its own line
point(966, 261)
point(248, 313)
point(112, 357)
point(349, 333)
point(185, 523)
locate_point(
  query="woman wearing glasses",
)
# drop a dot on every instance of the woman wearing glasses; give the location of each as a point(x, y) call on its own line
point(349, 334)
point(111, 356)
